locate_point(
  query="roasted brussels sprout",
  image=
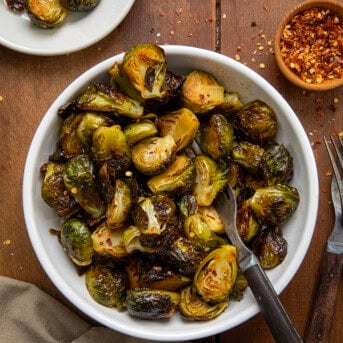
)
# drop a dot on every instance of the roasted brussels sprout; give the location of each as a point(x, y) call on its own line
point(152, 304)
point(140, 130)
point(216, 274)
point(194, 307)
point(107, 287)
point(212, 218)
point(77, 242)
point(256, 121)
point(247, 225)
point(270, 247)
point(232, 103)
point(216, 136)
point(274, 204)
point(187, 205)
point(178, 178)
point(201, 92)
point(181, 124)
point(46, 13)
point(79, 5)
point(239, 287)
point(131, 239)
point(79, 182)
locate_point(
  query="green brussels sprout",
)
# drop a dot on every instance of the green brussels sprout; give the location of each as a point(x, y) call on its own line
point(152, 304)
point(53, 190)
point(211, 178)
point(101, 98)
point(277, 165)
point(231, 105)
point(256, 121)
point(178, 178)
point(79, 181)
point(79, 5)
point(140, 130)
point(153, 155)
point(106, 180)
point(107, 287)
point(187, 205)
point(181, 124)
point(270, 247)
point(216, 136)
point(46, 13)
point(274, 204)
point(216, 274)
point(131, 238)
point(145, 66)
point(247, 225)
point(192, 306)
point(239, 287)
point(212, 218)
point(76, 241)
point(201, 92)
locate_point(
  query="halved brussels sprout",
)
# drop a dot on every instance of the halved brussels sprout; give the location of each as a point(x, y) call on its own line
point(247, 225)
point(187, 205)
point(131, 238)
point(178, 178)
point(274, 204)
point(201, 92)
point(194, 307)
point(232, 103)
point(153, 155)
point(152, 304)
point(76, 240)
point(212, 218)
point(181, 124)
point(79, 5)
point(216, 274)
point(216, 136)
point(107, 287)
point(140, 130)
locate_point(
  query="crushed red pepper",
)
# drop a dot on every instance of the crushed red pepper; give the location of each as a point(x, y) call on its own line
point(312, 45)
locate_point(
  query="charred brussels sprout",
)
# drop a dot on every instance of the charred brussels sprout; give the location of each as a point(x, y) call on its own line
point(239, 287)
point(187, 205)
point(107, 287)
point(216, 274)
point(231, 105)
point(192, 306)
point(274, 204)
point(131, 239)
point(201, 92)
point(136, 132)
point(152, 304)
point(79, 5)
point(247, 225)
point(76, 241)
point(212, 218)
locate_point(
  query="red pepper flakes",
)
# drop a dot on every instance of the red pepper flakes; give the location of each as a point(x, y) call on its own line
point(312, 46)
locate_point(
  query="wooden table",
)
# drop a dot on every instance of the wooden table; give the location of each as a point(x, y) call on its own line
point(29, 84)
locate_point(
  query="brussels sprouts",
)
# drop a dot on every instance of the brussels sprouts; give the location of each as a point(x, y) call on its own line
point(46, 13)
point(216, 274)
point(140, 130)
point(201, 92)
point(247, 225)
point(239, 287)
point(79, 181)
point(257, 122)
point(79, 5)
point(274, 204)
point(107, 287)
point(53, 190)
point(231, 104)
point(101, 98)
point(216, 136)
point(212, 218)
point(178, 178)
point(192, 306)
point(153, 155)
point(152, 304)
point(270, 247)
point(277, 165)
point(76, 241)
point(187, 205)
point(211, 177)
point(106, 179)
point(182, 125)
point(131, 239)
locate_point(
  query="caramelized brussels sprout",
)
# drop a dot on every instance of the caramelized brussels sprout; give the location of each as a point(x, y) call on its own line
point(46, 13)
point(216, 136)
point(138, 131)
point(79, 5)
point(181, 124)
point(152, 304)
point(76, 241)
point(212, 218)
point(201, 92)
point(257, 122)
point(239, 287)
point(192, 306)
point(216, 274)
point(247, 225)
point(231, 104)
point(79, 182)
point(274, 204)
point(107, 287)
point(178, 178)
point(153, 155)
point(270, 247)
point(187, 205)
point(131, 239)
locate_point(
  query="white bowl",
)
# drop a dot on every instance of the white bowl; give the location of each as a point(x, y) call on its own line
point(298, 230)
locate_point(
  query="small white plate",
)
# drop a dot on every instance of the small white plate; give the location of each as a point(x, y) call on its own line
point(76, 32)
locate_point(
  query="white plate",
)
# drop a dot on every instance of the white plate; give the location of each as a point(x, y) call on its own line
point(78, 31)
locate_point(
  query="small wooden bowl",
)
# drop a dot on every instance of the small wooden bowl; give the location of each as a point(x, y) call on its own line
point(334, 5)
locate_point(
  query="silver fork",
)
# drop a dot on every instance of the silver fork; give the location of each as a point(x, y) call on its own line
point(319, 325)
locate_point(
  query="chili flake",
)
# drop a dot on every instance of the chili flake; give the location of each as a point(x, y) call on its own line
point(312, 45)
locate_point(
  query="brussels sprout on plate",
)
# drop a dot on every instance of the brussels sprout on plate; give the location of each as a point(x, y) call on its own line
point(79, 5)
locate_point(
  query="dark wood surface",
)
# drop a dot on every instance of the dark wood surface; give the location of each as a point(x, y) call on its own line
point(29, 84)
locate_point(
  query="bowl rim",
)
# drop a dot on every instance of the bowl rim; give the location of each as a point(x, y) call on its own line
point(43, 257)
point(333, 5)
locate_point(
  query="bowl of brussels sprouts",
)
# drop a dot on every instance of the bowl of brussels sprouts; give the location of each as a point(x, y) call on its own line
point(121, 215)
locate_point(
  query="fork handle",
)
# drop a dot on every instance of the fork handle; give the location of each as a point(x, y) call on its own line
point(319, 325)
